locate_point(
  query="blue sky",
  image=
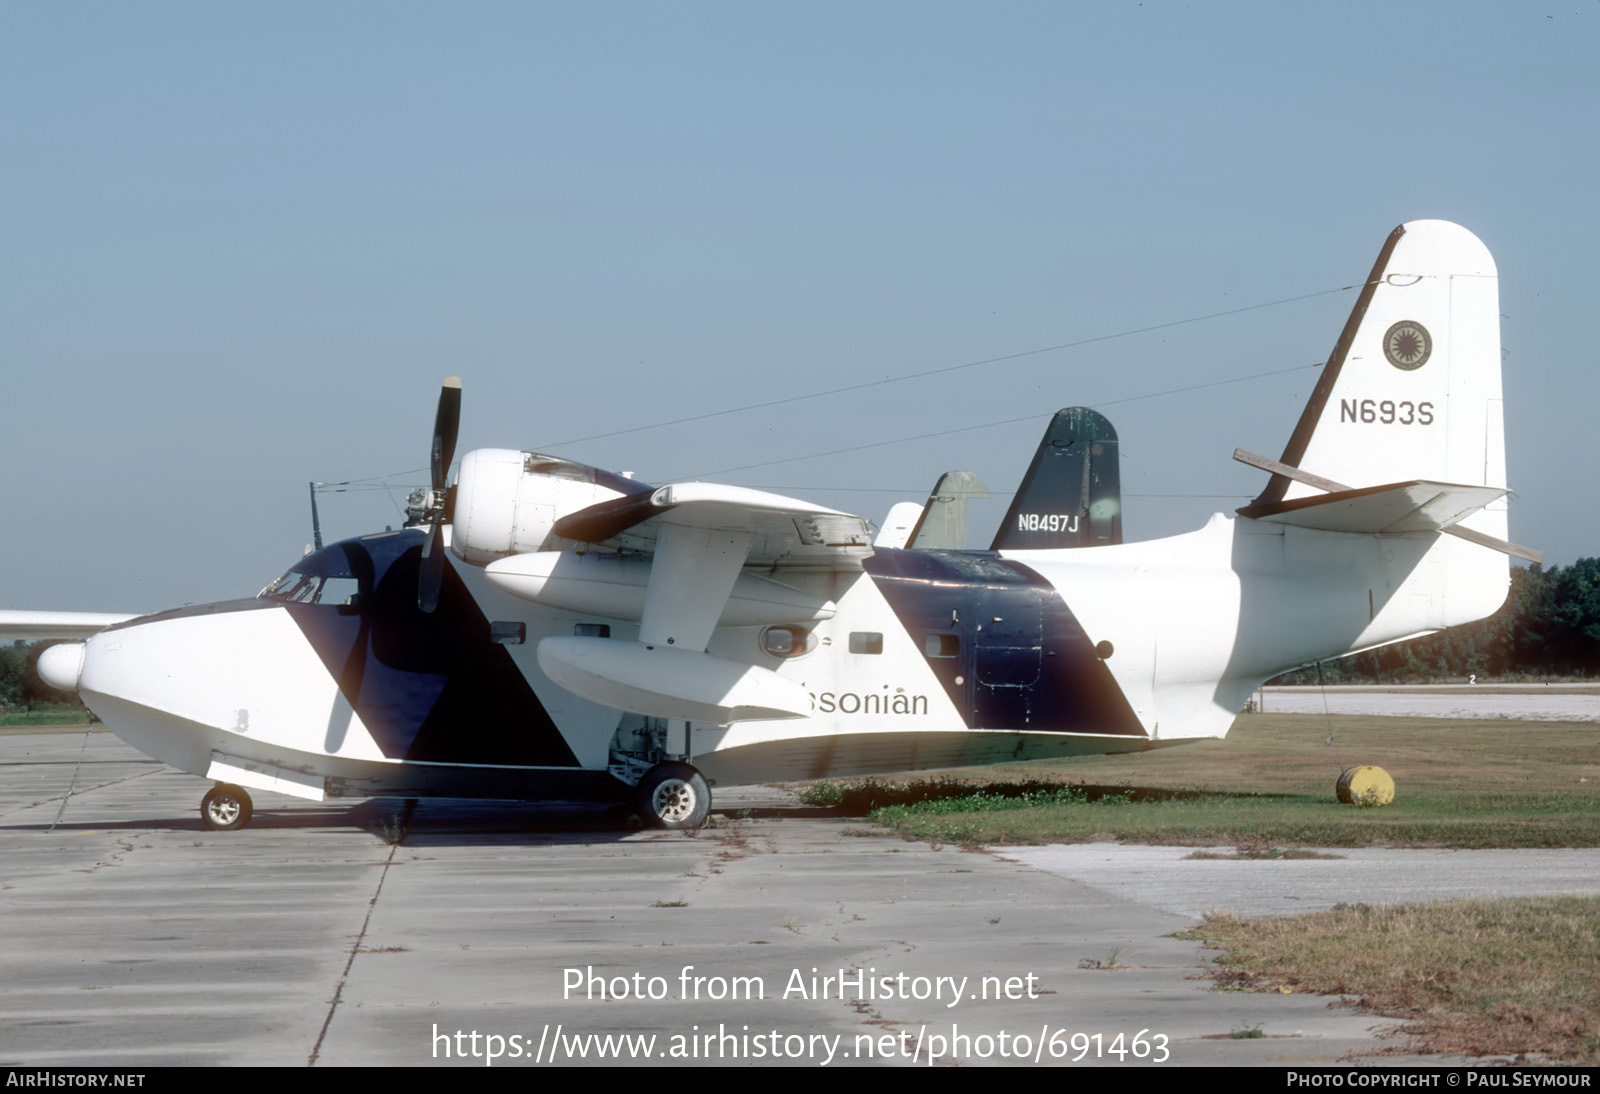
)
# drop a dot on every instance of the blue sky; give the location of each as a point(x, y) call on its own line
point(244, 243)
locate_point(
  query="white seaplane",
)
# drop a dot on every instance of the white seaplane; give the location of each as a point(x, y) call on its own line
point(546, 630)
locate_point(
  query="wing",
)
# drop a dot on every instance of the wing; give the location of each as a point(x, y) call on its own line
point(702, 535)
point(785, 532)
point(700, 538)
point(30, 625)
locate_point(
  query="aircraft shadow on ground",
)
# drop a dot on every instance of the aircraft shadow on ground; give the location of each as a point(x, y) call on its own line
point(437, 822)
point(80, 763)
point(447, 822)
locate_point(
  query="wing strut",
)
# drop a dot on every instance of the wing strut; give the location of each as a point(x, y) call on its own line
point(690, 579)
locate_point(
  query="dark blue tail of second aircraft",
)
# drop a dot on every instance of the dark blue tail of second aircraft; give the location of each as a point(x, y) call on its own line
point(1072, 493)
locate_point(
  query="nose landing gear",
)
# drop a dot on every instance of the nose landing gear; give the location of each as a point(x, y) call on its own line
point(225, 807)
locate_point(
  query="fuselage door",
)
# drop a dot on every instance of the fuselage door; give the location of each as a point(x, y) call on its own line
point(1007, 636)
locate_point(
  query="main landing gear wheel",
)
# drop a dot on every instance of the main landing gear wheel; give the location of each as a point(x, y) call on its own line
point(225, 807)
point(673, 796)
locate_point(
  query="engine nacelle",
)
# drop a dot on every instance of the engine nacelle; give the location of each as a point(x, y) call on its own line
point(507, 501)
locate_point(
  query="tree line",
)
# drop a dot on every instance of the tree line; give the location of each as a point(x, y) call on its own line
point(20, 686)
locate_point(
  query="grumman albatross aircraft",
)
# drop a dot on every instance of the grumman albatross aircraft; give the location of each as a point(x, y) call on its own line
point(552, 631)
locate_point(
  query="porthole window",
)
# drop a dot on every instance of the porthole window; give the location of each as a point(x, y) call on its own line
point(942, 645)
point(786, 641)
point(592, 630)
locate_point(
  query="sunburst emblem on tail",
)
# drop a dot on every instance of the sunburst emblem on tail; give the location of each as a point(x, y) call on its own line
point(1407, 345)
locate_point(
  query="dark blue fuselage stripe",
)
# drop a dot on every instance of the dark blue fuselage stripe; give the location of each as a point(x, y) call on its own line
point(430, 686)
point(1021, 661)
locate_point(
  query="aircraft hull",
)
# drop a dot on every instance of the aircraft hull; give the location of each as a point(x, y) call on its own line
point(933, 659)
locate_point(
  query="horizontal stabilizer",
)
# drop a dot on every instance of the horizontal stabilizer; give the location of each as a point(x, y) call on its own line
point(1295, 474)
point(30, 625)
point(1415, 506)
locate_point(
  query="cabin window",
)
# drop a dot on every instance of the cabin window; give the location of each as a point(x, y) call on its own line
point(866, 642)
point(505, 633)
point(592, 630)
point(942, 645)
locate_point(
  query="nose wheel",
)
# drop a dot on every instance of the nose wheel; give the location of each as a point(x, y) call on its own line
point(673, 796)
point(225, 807)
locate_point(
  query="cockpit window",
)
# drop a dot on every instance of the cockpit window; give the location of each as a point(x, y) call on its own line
point(295, 587)
point(298, 587)
point(342, 573)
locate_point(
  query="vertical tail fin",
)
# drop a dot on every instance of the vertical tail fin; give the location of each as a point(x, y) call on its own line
point(1072, 493)
point(943, 524)
point(896, 529)
point(1412, 388)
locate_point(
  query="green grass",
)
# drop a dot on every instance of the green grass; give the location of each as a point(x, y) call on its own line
point(1527, 820)
point(1271, 783)
point(45, 718)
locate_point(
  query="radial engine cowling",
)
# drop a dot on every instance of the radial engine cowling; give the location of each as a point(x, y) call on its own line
point(507, 501)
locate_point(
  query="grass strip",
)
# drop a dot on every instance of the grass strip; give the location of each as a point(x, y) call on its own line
point(45, 718)
point(1269, 783)
point(1479, 977)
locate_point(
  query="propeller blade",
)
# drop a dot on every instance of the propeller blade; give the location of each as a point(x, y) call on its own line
point(446, 424)
point(430, 576)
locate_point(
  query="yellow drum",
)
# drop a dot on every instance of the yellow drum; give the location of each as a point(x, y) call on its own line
point(1365, 785)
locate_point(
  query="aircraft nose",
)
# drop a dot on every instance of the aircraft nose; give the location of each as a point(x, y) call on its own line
point(62, 666)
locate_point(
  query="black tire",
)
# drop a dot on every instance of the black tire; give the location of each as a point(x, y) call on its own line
point(673, 796)
point(226, 807)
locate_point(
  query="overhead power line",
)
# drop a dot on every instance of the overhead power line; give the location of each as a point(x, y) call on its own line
point(383, 481)
point(1004, 421)
point(788, 399)
point(948, 368)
